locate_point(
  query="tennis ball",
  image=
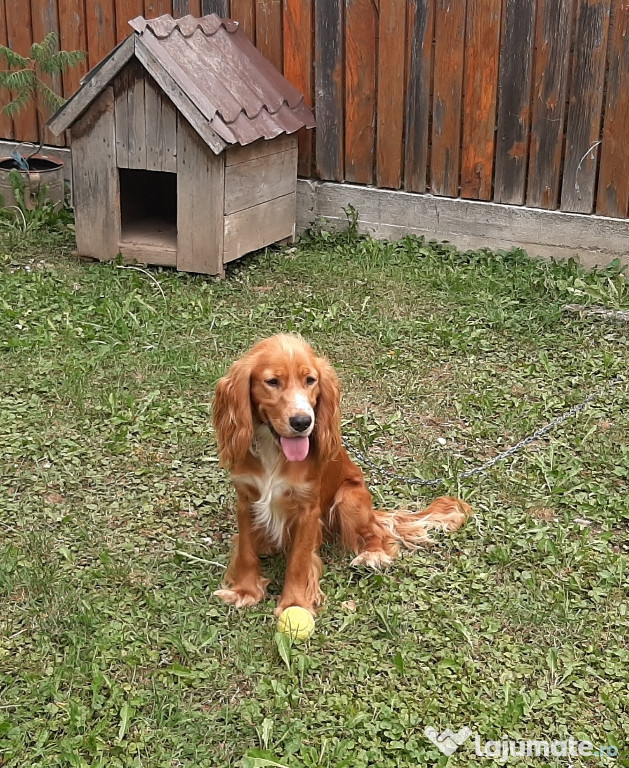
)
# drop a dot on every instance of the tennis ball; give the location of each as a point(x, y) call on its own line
point(296, 622)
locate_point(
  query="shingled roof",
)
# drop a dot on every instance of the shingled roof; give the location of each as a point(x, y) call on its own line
point(207, 65)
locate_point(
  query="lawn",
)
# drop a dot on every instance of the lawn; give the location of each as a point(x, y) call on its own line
point(115, 518)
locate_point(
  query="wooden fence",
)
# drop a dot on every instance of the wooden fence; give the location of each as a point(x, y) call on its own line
point(514, 101)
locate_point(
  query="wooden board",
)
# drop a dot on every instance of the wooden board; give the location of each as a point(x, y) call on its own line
point(155, 255)
point(260, 148)
point(125, 11)
point(586, 101)
point(244, 12)
point(45, 19)
point(221, 7)
point(482, 54)
point(613, 181)
point(552, 43)
point(96, 190)
point(514, 94)
point(390, 106)
point(101, 30)
point(73, 37)
point(181, 8)
point(298, 63)
point(20, 39)
point(420, 34)
point(6, 123)
point(154, 8)
point(121, 116)
point(259, 226)
point(269, 30)
point(360, 90)
point(136, 117)
point(161, 129)
point(447, 96)
point(329, 88)
point(468, 224)
point(265, 178)
point(200, 189)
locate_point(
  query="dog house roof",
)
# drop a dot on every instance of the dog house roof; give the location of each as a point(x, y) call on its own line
point(213, 74)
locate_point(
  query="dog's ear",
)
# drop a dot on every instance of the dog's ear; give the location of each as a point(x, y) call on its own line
point(232, 413)
point(328, 411)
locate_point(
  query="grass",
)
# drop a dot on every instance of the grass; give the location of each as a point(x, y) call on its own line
point(115, 519)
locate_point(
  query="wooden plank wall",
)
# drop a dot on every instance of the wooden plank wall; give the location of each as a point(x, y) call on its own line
point(512, 101)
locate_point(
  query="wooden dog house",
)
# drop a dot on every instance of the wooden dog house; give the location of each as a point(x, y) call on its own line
point(184, 151)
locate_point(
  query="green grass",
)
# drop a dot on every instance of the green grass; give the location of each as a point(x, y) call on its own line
point(115, 519)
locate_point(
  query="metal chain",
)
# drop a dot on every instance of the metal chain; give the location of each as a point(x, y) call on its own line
point(495, 459)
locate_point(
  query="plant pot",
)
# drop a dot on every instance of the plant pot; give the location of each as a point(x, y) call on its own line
point(44, 171)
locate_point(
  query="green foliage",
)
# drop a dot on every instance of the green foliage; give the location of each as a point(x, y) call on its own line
point(24, 76)
point(116, 519)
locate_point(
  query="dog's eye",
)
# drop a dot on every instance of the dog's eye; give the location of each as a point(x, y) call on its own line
point(310, 380)
point(272, 382)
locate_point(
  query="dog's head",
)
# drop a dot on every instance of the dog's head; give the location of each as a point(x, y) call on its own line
point(280, 382)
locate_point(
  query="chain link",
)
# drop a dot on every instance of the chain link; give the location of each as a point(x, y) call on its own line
point(576, 409)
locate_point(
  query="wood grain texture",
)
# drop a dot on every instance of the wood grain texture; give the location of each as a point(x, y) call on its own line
point(360, 90)
point(514, 92)
point(73, 37)
point(482, 54)
point(136, 116)
point(613, 181)
point(257, 227)
point(200, 192)
point(390, 97)
point(265, 178)
point(244, 12)
point(161, 129)
point(298, 66)
point(121, 116)
point(45, 19)
point(101, 30)
point(181, 8)
point(420, 35)
point(20, 39)
point(585, 105)
point(6, 123)
point(447, 97)
point(468, 224)
point(260, 148)
point(125, 11)
point(552, 43)
point(329, 88)
point(95, 184)
point(221, 7)
point(269, 30)
point(154, 8)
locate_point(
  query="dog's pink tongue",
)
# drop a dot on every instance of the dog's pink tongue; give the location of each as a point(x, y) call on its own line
point(295, 448)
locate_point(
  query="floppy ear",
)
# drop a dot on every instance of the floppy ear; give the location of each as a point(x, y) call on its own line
point(328, 411)
point(232, 413)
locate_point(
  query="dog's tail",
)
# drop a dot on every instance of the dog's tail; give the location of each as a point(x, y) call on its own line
point(378, 545)
point(411, 529)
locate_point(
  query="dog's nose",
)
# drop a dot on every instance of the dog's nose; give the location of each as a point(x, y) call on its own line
point(300, 423)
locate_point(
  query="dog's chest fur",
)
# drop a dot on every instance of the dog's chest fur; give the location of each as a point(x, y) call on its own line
point(270, 511)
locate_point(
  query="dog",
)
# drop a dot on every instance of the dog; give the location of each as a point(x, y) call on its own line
point(277, 420)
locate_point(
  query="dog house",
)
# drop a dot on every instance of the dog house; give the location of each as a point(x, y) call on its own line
point(184, 147)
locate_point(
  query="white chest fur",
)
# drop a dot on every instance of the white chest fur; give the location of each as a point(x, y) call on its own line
point(268, 512)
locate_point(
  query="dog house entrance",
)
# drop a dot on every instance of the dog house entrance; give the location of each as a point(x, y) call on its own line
point(148, 209)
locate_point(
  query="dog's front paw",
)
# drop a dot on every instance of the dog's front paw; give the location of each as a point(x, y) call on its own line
point(242, 597)
point(376, 559)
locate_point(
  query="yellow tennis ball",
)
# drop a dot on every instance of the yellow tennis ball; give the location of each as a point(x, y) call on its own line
point(296, 622)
